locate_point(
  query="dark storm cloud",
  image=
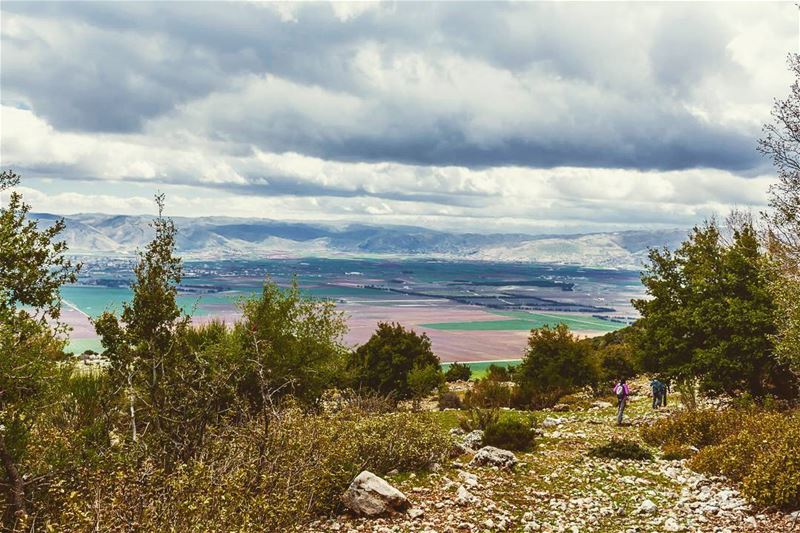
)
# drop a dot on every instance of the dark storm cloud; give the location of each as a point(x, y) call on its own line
point(624, 79)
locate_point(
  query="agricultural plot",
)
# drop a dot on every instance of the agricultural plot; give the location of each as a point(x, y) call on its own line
point(525, 321)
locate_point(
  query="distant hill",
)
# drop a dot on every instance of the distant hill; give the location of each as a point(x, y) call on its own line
point(220, 237)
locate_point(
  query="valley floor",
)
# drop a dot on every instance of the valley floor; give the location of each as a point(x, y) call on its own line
point(559, 488)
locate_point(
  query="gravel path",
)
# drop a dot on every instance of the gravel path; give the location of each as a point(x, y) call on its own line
point(559, 488)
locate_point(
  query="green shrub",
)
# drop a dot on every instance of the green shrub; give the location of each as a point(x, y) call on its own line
point(449, 400)
point(423, 380)
point(384, 362)
point(510, 434)
point(478, 419)
point(621, 449)
point(774, 480)
point(487, 393)
point(458, 372)
point(692, 428)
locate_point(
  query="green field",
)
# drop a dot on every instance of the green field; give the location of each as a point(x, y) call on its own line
point(524, 321)
point(479, 369)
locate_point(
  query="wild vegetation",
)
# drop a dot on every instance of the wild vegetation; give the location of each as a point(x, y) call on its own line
point(262, 424)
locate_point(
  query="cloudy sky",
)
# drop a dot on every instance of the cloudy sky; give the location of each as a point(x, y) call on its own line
point(537, 117)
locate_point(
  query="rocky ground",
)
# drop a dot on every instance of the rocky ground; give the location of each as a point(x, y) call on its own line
point(558, 488)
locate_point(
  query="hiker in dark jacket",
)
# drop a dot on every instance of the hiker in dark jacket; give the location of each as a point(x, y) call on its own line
point(658, 390)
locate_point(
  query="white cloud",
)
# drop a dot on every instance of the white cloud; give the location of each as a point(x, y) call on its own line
point(454, 197)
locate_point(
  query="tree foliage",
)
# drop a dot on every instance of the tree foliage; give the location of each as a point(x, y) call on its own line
point(458, 372)
point(384, 362)
point(555, 363)
point(291, 344)
point(147, 348)
point(710, 315)
point(781, 142)
point(33, 268)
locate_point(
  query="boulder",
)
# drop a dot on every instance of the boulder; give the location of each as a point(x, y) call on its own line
point(491, 456)
point(473, 439)
point(369, 495)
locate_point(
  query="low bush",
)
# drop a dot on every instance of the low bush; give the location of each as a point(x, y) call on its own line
point(774, 480)
point(692, 428)
point(764, 456)
point(756, 447)
point(361, 401)
point(458, 372)
point(577, 401)
point(677, 452)
point(253, 476)
point(478, 419)
point(449, 400)
point(385, 362)
point(423, 380)
point(510, 434)
point(488, 394)
point(621, 449)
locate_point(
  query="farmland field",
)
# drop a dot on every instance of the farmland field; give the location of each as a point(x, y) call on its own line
point(525, 321)
point(472, 311)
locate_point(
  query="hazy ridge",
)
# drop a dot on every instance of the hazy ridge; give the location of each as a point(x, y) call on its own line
point(221, 237)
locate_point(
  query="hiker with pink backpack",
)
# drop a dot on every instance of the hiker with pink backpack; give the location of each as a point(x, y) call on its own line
point(622, 391)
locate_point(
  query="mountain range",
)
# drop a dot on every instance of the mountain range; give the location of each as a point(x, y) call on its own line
point(220, 238)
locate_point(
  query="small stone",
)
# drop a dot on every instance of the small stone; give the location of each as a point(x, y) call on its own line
point(465, 497)
point(646, 507)
point(469, 479)
point(415, 512)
